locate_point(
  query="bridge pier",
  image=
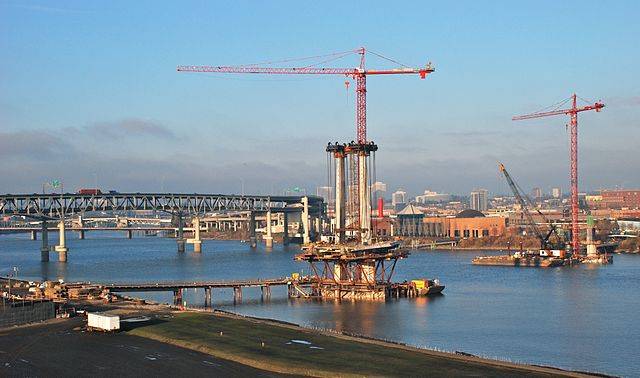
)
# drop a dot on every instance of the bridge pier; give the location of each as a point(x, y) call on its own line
point(268, 239)
point(266, 292)
point(129, 234)
point(177, 297)
point(61, 248)
point(81, 234)
point(197, 243)
point(285, 228)
point(34, 235)
point(207, 297)
point(237, 294)
point(180, 237)
point(44, 249)
point(252, 231)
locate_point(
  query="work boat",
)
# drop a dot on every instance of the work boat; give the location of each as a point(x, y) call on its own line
point(426, 287)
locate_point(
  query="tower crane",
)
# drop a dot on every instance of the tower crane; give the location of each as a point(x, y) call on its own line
point(359, 74)
point(526, 204)
point(572, 112)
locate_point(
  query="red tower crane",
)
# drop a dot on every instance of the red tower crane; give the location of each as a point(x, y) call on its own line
point(573, 113)
point(359, 74)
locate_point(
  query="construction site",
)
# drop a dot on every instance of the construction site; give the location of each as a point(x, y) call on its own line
point(349, 262)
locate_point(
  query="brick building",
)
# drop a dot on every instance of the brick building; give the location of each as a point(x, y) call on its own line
point(468, 223)
point(620, 199)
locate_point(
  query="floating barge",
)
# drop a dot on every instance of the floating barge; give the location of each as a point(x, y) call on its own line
point(358, 272)
point(545, 259)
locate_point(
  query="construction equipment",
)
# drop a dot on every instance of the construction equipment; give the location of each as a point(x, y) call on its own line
point(359, 74)
point(573, 113)
point(526, 204)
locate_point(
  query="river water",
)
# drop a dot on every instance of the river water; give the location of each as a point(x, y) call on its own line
point(583, 318)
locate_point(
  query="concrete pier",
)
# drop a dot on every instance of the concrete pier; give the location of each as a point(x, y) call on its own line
point(207, 297)
point(197, 243)
point(34, 235)
point(44, 249)
point(61, 248)
point(129, 234)
point(237, 294)
point(81, 234)
point(268, 239)
point(285, 228)
point(340, 205)
point(253, 241)
point(266, 292)
point(180, 235)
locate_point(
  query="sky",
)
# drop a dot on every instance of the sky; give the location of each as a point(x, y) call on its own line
point(89, 94)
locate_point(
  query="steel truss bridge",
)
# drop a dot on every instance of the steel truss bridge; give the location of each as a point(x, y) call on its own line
point(54, 206)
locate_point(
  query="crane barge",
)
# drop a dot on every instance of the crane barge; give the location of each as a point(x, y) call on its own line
point(552, 250)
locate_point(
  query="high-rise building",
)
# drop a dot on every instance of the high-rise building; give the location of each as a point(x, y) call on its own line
point(556, 192)
point(478, 200)
point(398, 198)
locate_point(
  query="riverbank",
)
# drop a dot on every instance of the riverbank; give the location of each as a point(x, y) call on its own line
point(290, 349)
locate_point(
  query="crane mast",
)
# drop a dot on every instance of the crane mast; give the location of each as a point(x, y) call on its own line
point(573, 157)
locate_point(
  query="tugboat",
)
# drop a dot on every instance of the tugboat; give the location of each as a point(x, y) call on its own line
point(426, 287)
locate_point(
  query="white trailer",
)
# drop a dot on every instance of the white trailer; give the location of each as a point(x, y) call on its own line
point(103, 322)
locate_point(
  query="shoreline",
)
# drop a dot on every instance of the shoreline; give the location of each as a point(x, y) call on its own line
point(188, 329)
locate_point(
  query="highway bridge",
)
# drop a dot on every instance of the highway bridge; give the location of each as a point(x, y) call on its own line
point(55, 206)
point(60, 207)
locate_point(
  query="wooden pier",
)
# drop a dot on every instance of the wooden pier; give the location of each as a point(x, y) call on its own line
point(237, 285)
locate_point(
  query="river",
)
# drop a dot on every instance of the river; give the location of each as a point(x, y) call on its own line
point(582, 318)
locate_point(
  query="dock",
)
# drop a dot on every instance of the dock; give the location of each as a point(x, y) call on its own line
point(237, 285)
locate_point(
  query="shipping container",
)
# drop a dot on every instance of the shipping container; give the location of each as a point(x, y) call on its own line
point(104, 322)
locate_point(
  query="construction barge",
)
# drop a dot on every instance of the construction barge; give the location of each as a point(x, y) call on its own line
point(358, 272)
point(543, 259)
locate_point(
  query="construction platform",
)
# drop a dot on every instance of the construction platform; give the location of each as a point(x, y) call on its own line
point(357, 272)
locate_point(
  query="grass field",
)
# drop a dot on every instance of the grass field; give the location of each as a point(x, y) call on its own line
point(289, 349)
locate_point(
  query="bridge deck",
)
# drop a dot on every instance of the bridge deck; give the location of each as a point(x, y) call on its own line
point(170, 286)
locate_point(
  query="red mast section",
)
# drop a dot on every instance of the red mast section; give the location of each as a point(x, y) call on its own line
point(573, 113)
point(359, 74)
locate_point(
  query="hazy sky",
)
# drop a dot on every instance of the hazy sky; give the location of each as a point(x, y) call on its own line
point(89, 92)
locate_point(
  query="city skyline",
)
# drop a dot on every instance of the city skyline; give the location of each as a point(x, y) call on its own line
point(103, 98)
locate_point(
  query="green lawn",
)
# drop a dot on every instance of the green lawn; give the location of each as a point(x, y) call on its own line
point(241, 340)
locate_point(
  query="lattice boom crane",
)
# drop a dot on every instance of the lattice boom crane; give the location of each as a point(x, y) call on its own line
point(359, 74)
point(573, 113)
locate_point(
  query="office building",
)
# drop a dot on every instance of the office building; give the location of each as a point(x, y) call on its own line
point(478, 200)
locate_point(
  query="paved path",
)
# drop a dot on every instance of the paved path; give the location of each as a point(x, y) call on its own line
point(55, 349)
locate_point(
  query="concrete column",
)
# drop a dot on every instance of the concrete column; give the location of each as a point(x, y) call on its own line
point(81, 234)
point(268, 239)
point(253, 241)
point(44, 249)
point(305, 220)
point(207, 296)
point(180, 237)
point(34, 235)
point(61, 248)
point(197, 243)
point(285, 228)
point(340, 207)
point(591, 247)
point(129, 234)
point(364, 199)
